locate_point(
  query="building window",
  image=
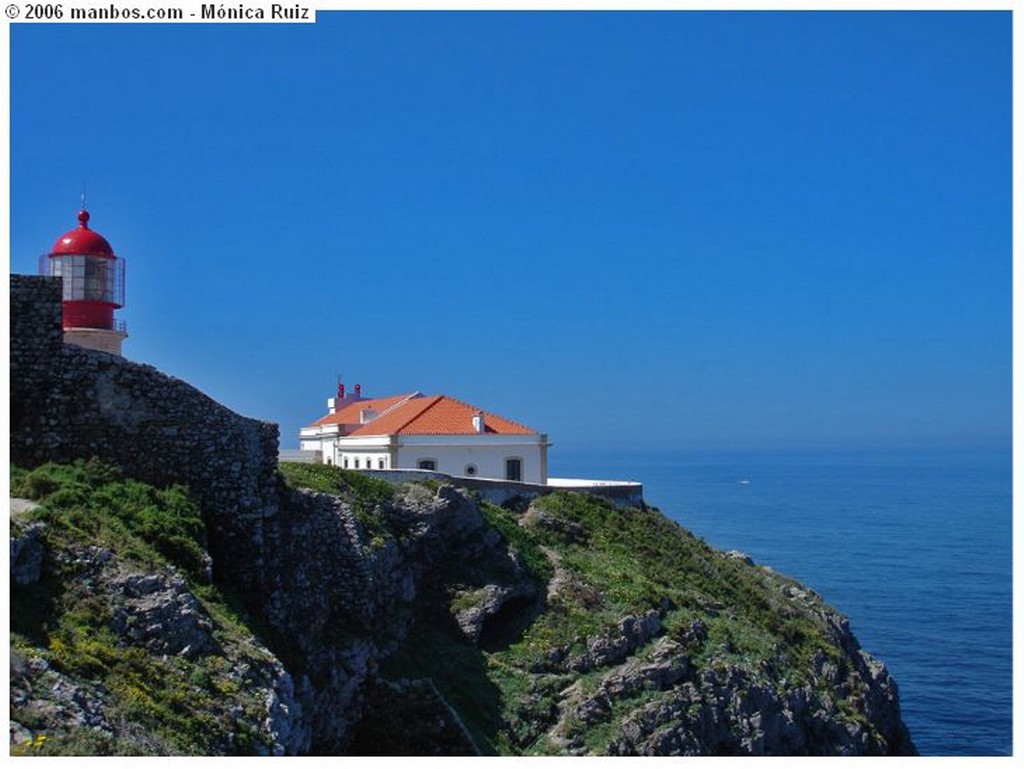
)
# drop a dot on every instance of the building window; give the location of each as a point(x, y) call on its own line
point(427, 464)
point(470, 470)
point(357, 463)
point(514, 469)
point(380, 464)
point(344, 462)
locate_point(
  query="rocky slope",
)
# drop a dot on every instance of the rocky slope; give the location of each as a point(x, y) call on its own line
point(415, 621)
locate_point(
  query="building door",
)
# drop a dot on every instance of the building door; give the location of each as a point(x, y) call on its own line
point(514, 469)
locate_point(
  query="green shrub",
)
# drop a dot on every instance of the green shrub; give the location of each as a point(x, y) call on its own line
point(335, 480)
point(519, 540)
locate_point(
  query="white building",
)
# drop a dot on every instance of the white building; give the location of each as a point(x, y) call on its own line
point(427, 432)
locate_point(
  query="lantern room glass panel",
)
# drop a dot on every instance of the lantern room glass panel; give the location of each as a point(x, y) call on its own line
point(89, 278)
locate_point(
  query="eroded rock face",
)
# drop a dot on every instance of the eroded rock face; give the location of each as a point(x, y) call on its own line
point(159, 612)
point(631, 633)
point(62, 698)
point(343, 603)
point(27, 551)
point(155, 611)
point(487, 604)
point(340, 607)
point(285, 723)
point(726, 710)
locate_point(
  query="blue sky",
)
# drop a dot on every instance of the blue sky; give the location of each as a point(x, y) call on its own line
point(695, 230)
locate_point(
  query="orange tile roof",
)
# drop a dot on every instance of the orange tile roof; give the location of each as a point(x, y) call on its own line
point(350, 414)
point(438, 415)
point(395, 420)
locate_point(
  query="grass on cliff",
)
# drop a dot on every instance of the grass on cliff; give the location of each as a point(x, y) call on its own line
point(368, 496)
point(527, 547)
point(160, 704)
point(631, 560)
point(90, 500)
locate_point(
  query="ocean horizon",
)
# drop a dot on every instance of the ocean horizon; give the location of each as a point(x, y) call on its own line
point(913, 546)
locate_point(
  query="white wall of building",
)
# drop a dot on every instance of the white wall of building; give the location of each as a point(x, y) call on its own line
point(369, 453)
point(479, 456)
point(363, 460)
point(320, 438)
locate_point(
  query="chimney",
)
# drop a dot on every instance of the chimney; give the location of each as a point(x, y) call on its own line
point(478, 422)
point(333, 404)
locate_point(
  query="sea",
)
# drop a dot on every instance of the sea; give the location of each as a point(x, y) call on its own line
point(914, 547)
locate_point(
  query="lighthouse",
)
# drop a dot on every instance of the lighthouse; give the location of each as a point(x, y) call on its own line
point(93, 287)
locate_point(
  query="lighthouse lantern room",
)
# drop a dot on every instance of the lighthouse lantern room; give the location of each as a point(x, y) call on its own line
point(93, 279)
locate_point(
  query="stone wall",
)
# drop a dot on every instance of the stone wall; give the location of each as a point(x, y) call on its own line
point(68, 403)
point(291, 557)
point(36, 342)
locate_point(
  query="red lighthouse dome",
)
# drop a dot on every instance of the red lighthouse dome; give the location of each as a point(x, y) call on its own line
point(93, 278)
point(82, 240)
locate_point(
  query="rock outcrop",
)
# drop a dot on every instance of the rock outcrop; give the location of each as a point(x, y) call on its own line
point(27, 554)
point(154, 612)
point(159, 613)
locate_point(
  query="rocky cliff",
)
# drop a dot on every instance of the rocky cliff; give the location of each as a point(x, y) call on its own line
point(175, 592)
point(417, 621)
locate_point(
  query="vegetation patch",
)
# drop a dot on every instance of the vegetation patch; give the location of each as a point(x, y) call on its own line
point(152, 704)
point(90, 501)
point(370, 497)
point(519, 540)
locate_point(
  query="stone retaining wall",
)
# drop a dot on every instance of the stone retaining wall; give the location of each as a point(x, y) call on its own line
point(499, 491)
point(69, 402)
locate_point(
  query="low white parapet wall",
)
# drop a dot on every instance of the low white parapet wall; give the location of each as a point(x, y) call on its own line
point(573, 483)
point(620, 493)
point(298, 455)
